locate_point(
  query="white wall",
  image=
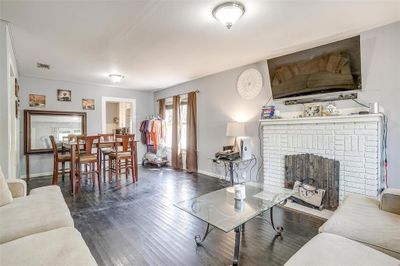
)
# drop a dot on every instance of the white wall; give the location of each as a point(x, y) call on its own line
point(219, 101)
point(380, 69)
point(9, 127)
point(380, 54)
point(43, 163)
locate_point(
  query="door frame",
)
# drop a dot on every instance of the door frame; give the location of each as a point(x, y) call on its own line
point(105, 99)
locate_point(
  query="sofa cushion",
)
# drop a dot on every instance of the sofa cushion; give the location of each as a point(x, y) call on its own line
point(53, 189)
point(390, 200)
point(328, 249)
point(359, 218)
point(17, 187)
point(63, 246)
point(43, 210)
point(5, 193)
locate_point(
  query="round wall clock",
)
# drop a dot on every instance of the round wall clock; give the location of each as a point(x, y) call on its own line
point(249, 83)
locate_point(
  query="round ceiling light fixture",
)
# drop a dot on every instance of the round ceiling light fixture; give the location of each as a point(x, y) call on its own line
point(229, 13)
point(115, 78)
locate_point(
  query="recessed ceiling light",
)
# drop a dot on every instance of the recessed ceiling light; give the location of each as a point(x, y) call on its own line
point(115, 78)
point(228, 13)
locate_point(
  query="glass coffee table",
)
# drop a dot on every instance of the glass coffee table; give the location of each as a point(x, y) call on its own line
point(220, 210)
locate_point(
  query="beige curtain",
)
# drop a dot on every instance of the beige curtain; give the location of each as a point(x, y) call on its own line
point(161, 108)
point(176, 154)
point(191, 135)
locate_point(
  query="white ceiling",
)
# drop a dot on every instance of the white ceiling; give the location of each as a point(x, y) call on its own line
point(157, 44)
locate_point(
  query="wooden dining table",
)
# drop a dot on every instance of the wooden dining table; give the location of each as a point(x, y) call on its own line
point(72, 146)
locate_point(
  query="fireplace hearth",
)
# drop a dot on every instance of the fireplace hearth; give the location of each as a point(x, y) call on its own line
point(315, 179)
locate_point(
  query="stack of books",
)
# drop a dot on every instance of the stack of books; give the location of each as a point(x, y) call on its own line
point(268, 112)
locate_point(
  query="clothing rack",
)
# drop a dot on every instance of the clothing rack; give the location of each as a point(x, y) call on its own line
point(155, 116)
point(153, 132)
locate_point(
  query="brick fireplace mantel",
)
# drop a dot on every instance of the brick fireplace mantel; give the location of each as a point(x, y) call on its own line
point(354, 140)
point(324, 119)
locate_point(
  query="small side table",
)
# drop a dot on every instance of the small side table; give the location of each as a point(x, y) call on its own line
point(231, 164)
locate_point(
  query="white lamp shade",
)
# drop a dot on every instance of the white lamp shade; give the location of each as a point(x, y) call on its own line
point(235, 129)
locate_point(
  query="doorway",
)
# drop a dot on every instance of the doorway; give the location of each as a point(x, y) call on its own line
point(14, 126)
point(118, 115)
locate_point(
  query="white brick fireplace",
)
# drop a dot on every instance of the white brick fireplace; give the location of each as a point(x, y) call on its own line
point(355, 141)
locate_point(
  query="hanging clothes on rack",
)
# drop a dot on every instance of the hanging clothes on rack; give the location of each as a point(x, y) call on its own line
point(153, 132)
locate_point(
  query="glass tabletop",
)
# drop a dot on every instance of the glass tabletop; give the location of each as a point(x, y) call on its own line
point(220, 209)
point(239, 160)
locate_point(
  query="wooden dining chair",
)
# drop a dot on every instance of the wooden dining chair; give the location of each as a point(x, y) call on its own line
point(124, 156)
point(91, 160)
point(58, 158)
point(105, 149)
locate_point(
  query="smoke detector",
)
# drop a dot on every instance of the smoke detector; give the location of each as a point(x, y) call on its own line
point(44, 66)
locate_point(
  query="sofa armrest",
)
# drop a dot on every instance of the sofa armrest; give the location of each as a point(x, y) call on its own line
point(17, 187)
point(390, 200)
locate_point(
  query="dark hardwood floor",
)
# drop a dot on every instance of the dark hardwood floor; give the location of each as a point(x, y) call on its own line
point(137, 224)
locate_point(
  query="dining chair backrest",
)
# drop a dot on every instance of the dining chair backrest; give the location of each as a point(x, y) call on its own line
point(88, 142)
point(106, 137)
point(73, 137)
point(54, 146)
point(126, 141)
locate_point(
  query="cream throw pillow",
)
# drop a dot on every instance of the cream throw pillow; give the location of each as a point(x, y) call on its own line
point(5, 193)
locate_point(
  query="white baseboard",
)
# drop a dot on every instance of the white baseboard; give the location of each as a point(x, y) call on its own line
point(37, 175)
point(211, 174)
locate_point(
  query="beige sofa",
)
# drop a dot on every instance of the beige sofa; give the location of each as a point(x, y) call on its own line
point(360, 218)
point(362, 231)
point(332, 250)
point(38, 229)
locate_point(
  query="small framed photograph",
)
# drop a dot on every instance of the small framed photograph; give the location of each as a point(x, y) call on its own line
point(88, 104)
point(311, 110)
point(16, 88)
point(63, 95)
point(16, 108)
point(36, 100)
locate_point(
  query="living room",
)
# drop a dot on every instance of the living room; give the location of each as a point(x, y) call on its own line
point(244, 132)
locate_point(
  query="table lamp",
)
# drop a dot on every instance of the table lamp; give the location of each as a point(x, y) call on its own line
point(235, 129)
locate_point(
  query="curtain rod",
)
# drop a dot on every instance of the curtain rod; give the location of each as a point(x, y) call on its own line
point(197, 91)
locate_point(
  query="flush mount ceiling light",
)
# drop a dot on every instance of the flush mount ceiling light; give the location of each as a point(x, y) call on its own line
point(228, 13)
point(115, 78)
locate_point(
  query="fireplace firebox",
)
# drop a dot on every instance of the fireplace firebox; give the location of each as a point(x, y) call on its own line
point(315, 179)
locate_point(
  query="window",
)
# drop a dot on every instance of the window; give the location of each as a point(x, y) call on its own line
point(183, 125)
point(169, 118)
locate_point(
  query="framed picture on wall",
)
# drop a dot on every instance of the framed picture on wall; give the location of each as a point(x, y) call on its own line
point(16, 108)
point(311, 110)
point(63, 95)
point(16, 88)
point(88, 104)
point(36, 100)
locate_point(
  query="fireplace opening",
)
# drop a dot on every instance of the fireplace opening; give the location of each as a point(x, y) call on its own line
point(315, 180)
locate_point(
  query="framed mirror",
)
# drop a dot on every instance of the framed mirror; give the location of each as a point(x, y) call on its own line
point(39, 125)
